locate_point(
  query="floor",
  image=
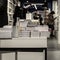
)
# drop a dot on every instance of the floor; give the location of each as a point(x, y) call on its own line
point(53, 52)
point(52, 44)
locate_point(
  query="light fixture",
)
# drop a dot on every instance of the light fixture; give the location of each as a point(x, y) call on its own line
point(27, 1)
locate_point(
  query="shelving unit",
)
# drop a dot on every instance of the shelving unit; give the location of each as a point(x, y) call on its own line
point(10, 11)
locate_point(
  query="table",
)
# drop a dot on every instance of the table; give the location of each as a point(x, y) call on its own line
point(24, 44)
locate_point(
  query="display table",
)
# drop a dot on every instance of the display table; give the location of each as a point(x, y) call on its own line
point(24, 44)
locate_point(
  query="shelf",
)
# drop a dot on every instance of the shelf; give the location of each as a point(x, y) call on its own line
point(9, 7)
point(11, 3)
point(10, 0)
point(10, 13)
point(10, 20)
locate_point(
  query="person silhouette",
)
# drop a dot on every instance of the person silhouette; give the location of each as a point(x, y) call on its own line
point(16, 14)
point(40, 19)
point(51, 22)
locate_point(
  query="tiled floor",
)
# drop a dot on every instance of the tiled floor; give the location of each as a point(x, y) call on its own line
point(53, 55)
point(52, 44)
point(53, 52)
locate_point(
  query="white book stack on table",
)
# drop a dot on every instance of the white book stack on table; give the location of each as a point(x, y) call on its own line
point(28, 16)
point(6, 32)
point(43, 30)
point(45, 33)
point(24, 33)
point(23, 23)
point(35, 33)
point(30, 28)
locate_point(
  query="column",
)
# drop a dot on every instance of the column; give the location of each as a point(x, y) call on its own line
point(54, 8)
point(59, 22)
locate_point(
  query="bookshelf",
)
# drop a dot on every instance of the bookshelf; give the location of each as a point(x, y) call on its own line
point(10, 11)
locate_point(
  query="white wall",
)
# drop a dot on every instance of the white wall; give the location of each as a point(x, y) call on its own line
point(59, 31)
point(54, 8)
point(59, 22)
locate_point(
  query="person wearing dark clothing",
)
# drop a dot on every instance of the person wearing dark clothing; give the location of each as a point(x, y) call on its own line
point(23, 12)
point(36, 16)
point(16, 14)
point(40, 20)
point(51, 22)
point(19, 12)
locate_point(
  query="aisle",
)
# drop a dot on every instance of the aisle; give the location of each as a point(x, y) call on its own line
point(53, 55)
point(52, 44)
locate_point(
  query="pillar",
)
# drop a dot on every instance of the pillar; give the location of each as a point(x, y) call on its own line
point(59, 22)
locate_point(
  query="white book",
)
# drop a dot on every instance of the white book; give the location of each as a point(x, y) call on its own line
point(28, 16)
point(34, 33)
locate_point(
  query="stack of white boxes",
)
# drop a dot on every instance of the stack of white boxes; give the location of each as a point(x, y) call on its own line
point(23, 23)
point(43, 30)
point(6, 32)
point(30, 28)
point(32, 24)
point(24, 34)
point(35, 33)
point(45, 33)
point(29, 16)
point(22, 27)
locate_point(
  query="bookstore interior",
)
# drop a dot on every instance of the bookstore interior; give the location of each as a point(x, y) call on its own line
point(25, 28)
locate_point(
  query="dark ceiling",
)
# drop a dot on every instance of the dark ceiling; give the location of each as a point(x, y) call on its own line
point(35, 1)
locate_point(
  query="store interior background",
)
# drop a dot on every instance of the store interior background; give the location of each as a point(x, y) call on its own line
point(53, 44)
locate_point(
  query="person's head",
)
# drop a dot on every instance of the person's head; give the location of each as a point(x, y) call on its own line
point(52, 12)
point(18, 3)
point(39, 15)
point(28, 2)
point(35, 13)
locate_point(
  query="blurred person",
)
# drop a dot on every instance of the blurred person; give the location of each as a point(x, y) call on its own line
point(51, 22)
point(36, 16)
point(40, 19)
point(16, 14)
